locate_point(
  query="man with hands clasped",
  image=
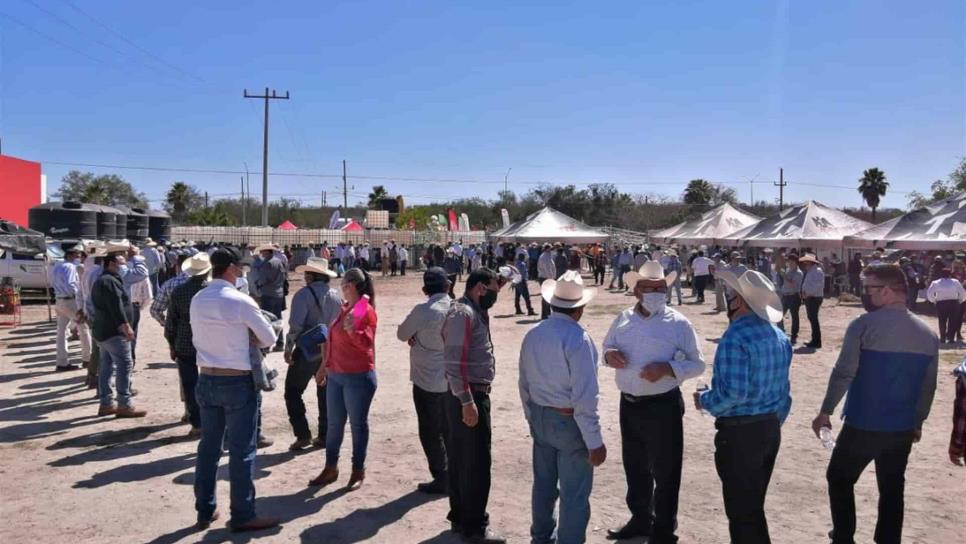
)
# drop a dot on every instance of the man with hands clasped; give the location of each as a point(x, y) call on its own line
point(653, 349)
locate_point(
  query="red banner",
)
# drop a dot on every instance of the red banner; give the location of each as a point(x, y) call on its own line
point(453, 223)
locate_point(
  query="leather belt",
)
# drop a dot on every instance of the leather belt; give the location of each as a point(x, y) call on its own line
point(211, 371)
point(66, 298)
point(562, 411)
point(667, 395)
point(484, 388)
point(734, 421)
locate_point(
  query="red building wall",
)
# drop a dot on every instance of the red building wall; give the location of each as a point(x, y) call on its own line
point(20, 188)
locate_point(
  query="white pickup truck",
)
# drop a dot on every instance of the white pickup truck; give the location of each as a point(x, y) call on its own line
point(28, 270)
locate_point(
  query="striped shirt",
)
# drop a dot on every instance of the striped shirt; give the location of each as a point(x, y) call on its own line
point(750, 371)
point(467, 349)
point(161, 300)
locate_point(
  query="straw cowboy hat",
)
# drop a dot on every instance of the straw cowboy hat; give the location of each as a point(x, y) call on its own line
point(316, 265)
point(149, 242)
point(117, 246)
point(808, 258)
point(266, 247)
point(196, 265)
point(568, 291)
point(757, 291)
point(652, 270)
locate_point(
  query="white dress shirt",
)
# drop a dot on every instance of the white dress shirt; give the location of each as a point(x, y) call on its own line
point(813, 283)
point(945, 289)
point(558, 369)
point(221, 318)
point(701, 266)
point(402, 254)
point(657, 338)
point(545, 267)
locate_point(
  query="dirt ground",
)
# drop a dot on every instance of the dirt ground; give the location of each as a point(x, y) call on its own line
point(67, 475)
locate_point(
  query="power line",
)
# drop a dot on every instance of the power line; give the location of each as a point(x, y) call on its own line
point(52, 39)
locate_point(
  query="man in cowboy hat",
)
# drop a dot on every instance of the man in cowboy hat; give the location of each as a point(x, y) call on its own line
point(673, 267)
point(177, 331)
point(315, 304)
point(153, 261)
point(559, 391)
point(69, 307)
point(271, 275)
point(888, 366)
point(422, 330)
point(813, 292)
point(653, 349)
point(750, 399)
point(546, 270)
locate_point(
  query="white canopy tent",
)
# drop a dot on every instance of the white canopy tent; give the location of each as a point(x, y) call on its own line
point(940, 226)
point(549, 225)
point(812, 224)
point(713, 224)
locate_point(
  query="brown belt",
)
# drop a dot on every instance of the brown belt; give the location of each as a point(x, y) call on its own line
point(563, 411)
point(210, 371)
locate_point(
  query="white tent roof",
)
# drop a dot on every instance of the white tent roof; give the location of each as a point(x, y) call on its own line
point(715, 223)
point(549, 225)
point(811, 224)
point(936, 227)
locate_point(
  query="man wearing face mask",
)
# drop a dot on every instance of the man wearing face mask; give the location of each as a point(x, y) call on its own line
point(888, 366)
point(750, 399)
point(470, 367)
point(654, 349)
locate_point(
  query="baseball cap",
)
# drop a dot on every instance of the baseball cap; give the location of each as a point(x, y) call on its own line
point(225, 256)
point(435, 276)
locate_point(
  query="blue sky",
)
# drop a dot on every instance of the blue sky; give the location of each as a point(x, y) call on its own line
point(646, 95)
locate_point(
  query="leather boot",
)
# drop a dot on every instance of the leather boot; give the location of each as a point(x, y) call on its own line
point(327, 476)
point(355, 480)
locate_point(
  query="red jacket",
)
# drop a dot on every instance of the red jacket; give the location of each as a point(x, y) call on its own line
point(352, 352)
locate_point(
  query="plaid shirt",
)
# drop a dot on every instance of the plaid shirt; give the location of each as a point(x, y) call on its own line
point(750, 371)
point(957, 441)
point(162, 299)
point(177, 325)
point(673, 265)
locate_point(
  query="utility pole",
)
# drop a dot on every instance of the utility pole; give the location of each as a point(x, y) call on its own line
point(206, 200)
point(506, 178)
point(781, 188)
point(345, 189)
point(244, 217)
point(266, 97)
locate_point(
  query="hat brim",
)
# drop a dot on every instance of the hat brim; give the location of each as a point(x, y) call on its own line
point(303, 268)
point(548, 287)
point(187, 269)
point(631, 278)
point(770, 310)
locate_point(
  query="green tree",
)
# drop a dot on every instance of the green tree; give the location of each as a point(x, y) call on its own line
point(182, 200)
point(107, 190)
point(699, 192)
point(872, 187)
point(939, 190)
point(378, 193)
point(215, 216)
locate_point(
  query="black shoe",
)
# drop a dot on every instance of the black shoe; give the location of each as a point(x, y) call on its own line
point(631, 530)
point(436, 487)
point(486, 537)
point(455, 528)
point(518, 312)
point(67, 368)
point(794, 340)
point(532, 313)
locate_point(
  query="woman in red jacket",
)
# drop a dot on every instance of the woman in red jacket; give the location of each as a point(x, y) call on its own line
point(349, 374)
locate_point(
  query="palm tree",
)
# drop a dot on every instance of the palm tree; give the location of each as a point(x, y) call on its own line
point(378, 193)
point(181, 200)
point(872, 187)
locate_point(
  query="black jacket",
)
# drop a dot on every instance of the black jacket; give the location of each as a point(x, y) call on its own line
point(112, 307)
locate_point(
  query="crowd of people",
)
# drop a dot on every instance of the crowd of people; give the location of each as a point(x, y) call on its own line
point(221, 309)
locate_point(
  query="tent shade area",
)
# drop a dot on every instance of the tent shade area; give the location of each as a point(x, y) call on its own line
point(713, 224)
point(940, 226)
point(549, 225)
point(287, 225)
point(811, 224)
point(17, 239)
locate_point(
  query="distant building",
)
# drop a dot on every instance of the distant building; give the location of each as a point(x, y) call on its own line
point(22, 186)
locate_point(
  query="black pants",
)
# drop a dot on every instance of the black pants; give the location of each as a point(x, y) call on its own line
point(812, 304)
point(791, 304)
point(188, 372)
point(744, 456)
point(700, 283)
point(949, 317)
point(402, 268)
point(522, 290)
point(854, 450)
point(468, 450)
point(544, 305)
point(297, 379)
point(431, 417)
point(452, 285)
point(652, 444)
point(392, 268)
point(599, 272)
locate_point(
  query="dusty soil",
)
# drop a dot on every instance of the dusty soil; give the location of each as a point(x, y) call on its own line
point(67, 475)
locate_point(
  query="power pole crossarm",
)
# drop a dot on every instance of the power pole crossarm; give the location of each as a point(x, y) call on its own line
point(266, 97)
point(781, 188)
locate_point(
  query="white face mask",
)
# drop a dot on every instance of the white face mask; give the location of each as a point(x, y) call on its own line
point(653, 302)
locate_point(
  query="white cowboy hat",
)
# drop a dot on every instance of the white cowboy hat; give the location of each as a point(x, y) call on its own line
point(149, 242)
point(568, 291)
point(117, 246)
point(316, 265)
point(757, 291)
point(651, 270)
point(196, 265)
point(808, 258)
point(266, 247)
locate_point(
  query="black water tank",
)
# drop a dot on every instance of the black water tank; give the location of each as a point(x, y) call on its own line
point(62, 220)
point(120, 232)
point(106, 222)
point(137, 223)
point(159, 225)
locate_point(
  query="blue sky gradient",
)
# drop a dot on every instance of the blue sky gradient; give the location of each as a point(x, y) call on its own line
point(646, 95)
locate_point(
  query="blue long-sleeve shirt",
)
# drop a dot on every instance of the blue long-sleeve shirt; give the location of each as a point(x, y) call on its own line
point(750, 371)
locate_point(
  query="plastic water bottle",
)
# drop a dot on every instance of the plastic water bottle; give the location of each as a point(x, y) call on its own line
point(702, 387)
point(825, 434)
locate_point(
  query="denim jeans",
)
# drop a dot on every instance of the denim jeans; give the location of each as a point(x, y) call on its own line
point(115, 358)
point(227, 403)
point(674, 286)
point(349, 395)
point(559, 455)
